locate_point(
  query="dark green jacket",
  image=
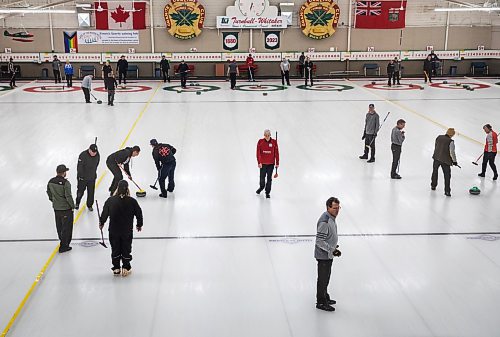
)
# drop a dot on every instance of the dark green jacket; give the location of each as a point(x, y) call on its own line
point(59, 192)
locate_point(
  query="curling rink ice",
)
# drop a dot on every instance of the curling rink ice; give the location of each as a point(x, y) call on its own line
point(215, 259)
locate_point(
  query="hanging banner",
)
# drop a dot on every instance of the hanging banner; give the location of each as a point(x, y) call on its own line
point(230, 41)
point(70, 42)
point(184, 18)
point(272, 39)
point(319, 18)
point(93, 37)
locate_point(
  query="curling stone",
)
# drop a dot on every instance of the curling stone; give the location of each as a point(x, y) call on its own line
point(197, 83)
point(198, 93)
point(339, 90)
point(43, 88)
point(475, 190)
point(264, 93)
point(471, 89)
point(458, 84)
point(373, 82)
point(411, 85)
point(422, 88)
point(179, 91)
point(191, 84)
point(445, 82)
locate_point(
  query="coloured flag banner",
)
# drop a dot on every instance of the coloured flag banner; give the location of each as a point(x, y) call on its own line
point(380, 14)
point(70, 41)
point(120, 15)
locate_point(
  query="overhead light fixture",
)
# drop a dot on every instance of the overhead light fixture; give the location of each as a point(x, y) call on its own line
point(287, 4)
point(468, 9)
point(36, 11)
point(83, 5)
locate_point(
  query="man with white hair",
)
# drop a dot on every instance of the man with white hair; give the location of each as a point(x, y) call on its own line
point(268, 156)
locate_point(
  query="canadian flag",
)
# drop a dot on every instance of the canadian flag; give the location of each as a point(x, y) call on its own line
point(120, 15)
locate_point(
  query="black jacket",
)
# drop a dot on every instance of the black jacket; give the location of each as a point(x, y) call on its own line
point(110, 83)
point(106, 70)
point(163, 154)
point(121, 213)
point(87, 166)
point(121, 157)
point(183, 69)
point(390, 68)
point(427, 66)
point(164, 64)
point(309, 66)
point(122, 65)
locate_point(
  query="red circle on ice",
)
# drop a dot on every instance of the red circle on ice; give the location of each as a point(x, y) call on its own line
point(461, 86)
point(129, 88)
point(394, 87)
point(45, 89)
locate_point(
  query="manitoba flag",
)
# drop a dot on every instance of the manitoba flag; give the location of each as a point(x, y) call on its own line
point(120, 15)
point(380, 14)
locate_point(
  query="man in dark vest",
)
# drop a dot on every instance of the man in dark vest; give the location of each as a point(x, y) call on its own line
point(444, 156)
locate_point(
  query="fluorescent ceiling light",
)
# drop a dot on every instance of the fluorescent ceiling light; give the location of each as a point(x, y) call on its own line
point(83, 5)
point(468, 9)
point(287, 4)
point(36, 11)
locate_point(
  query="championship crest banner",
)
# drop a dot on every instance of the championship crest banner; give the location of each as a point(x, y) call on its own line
point(319, 18)
point(272, 39)
point(184, 18)
point(230, 41)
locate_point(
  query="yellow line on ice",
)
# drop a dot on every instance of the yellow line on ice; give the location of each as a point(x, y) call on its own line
point(78, 215)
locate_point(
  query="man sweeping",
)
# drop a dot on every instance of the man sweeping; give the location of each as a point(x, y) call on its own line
point(163, 155)
point(118, 161)
point(88, 161)
point(121, 210)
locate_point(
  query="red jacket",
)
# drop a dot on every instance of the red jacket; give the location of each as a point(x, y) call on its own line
point(268, 152)
point(250, 62)
point(495, 141)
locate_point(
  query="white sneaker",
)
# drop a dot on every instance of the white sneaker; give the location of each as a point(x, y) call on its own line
point(126, 272)
point(117, 272)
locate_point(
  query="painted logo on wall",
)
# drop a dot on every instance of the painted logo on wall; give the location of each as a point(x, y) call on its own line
point(319, 18)
point(184, 18)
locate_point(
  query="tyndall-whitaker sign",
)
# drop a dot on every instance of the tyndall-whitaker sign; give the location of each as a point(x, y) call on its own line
point(319, 18)
point(248, 22)
point(184, 18)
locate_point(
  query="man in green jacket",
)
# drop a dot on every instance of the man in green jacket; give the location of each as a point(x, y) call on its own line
point(59, 192)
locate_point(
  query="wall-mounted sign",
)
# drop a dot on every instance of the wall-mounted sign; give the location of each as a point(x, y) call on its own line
point(272, 40)
point(230, 41)
point(249, 14)
point(93, 37)
point(184, 18)
point(319, 18)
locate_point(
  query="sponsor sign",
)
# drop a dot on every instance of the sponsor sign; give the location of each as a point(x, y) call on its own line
point(251, 22)
point(96, 37)
point(230, 41)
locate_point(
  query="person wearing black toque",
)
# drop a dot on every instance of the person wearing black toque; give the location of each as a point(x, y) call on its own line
point(121, 210)
point(88, 161)
point(163, 155)
point(59, 192)
point(118, 161)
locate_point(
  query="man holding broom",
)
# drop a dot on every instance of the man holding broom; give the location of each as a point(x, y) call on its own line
point(268, 156)
point(118, 161)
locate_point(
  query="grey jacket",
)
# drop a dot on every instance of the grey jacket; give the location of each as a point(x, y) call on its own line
point(326, 237)
point(372, 123)
point(87, 82)
point(397, 136)
point(56, 64)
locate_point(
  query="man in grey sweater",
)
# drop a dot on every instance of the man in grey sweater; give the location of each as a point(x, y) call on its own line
point(372, 125)
point(87, 87)
point(56, 68)
point(397, 139)
point(324, 251)
point(59, 192)
point(444, 156)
